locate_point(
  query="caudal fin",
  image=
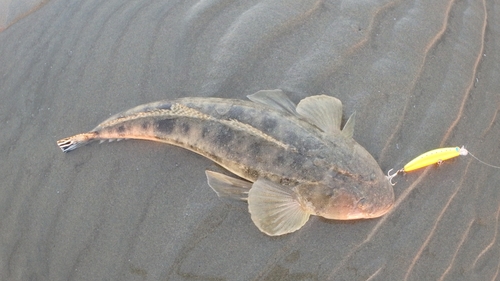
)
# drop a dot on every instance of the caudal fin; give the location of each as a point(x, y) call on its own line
point(74, 142)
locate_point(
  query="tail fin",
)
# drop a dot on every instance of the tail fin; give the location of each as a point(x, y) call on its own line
point(74, 142)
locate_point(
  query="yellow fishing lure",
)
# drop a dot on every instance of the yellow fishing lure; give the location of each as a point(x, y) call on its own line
point(436, 156)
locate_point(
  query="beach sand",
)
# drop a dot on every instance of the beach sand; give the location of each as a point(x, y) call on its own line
point(419, 75)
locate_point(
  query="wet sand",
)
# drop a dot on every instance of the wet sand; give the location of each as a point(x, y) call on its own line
point(420, 75)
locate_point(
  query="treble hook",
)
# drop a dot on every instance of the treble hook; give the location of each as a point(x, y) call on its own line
point(390, 177)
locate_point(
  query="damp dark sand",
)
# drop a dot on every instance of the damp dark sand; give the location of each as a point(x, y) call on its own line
point(419, 74)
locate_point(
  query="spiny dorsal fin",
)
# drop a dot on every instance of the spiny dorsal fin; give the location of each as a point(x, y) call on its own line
point(275, 99)
point(323, 111)
point(274, 208)
point(348, 129)
point(226, 186)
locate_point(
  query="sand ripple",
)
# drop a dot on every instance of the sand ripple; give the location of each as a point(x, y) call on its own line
point(420, 75)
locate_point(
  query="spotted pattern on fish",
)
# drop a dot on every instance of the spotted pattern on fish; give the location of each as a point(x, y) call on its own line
point(176, 110)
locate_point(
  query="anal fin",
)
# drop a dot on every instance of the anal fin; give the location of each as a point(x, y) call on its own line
point(226, 186)
point(274, 208)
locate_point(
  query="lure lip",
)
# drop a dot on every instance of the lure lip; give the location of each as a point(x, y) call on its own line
point(462, 151)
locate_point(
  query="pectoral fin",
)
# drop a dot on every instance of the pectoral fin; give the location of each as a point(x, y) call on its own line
point(275, 99)
point(226, 186)
point(323, 111)
point(274, 208)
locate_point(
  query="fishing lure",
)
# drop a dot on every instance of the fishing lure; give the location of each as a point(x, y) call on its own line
point(436, 156)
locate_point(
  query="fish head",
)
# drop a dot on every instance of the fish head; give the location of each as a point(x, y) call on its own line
point(368, 186)
point(356, 190)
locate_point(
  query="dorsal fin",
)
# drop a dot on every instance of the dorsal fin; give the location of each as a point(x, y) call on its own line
point(323, 111)
point(348, 129)
point(275, 99)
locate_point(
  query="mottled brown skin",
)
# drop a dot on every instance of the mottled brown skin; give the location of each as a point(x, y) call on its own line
point(331, 175)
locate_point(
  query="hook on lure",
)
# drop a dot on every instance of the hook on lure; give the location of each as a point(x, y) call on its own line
point(390, 177)
point(436, 156)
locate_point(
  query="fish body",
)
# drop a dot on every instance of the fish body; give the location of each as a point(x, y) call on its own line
point(295, 161)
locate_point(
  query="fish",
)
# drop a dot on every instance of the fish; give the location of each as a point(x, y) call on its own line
point(287, 161)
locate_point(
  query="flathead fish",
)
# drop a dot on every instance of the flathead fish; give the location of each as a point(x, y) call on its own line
point(294, 161)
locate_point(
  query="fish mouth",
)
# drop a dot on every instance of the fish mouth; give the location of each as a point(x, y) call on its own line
point(380, 212)
point(362, 211)
point(356, 215)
